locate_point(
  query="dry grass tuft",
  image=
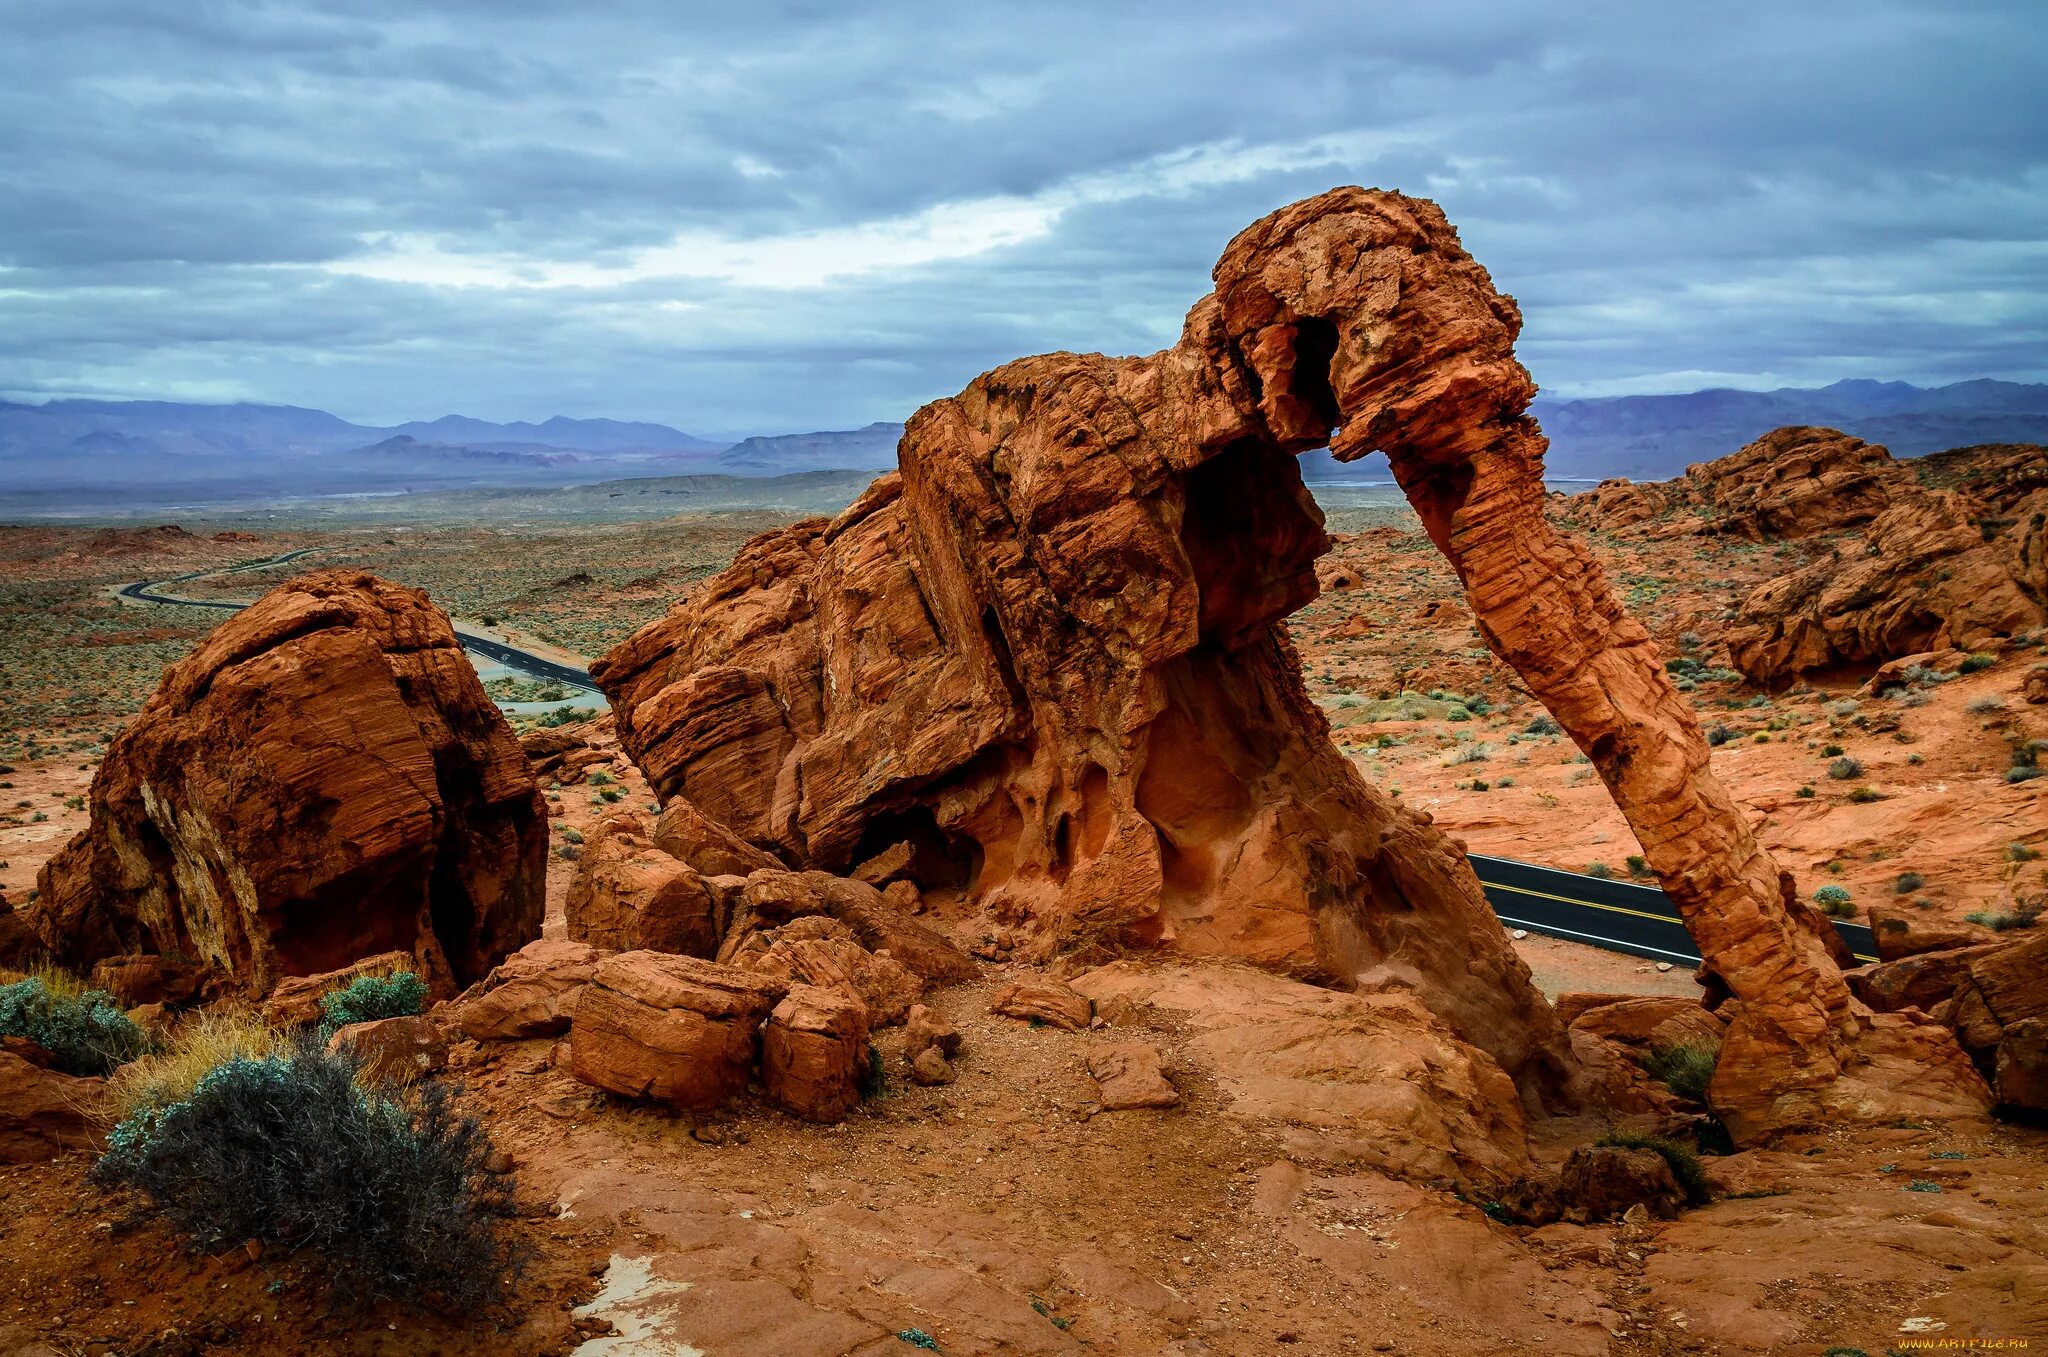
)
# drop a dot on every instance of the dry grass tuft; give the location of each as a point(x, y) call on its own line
point(203, 1043)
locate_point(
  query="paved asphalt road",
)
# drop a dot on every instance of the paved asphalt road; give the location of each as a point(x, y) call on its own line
point(512, 657)
point(1617, 915)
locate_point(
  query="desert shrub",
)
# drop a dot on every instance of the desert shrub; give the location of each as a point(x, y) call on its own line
point(1985, 705)
point(1721, 734)
point(2023, 772)
point(1684, 1161)
point(1599, 869)
point(204, 1043)
point(1910, 698)
point(1834, 900)
point(1974, 663)
point(1638, 865)
point(565, 716)
point(391, 1193)
point(1691, 640)
point(1921, 676)
point(1685, 1068)
point(1830, 751)
point(2004, 921)
point(2019, 852)
point(84, 1030)
point(1863, 796)
point(1543, 725)
point(370, 997)
point(1842, 707)
point(1843, 769)
point(1907, 883)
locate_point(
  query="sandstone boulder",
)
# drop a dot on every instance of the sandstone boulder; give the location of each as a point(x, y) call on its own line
point(323, 779)
point(43, 1113)
point(628, 895)
point(671, 1029)
point(19, 945)
point(925, 1030)
point(1129, 1074)
point(1652, 1022)
point(820, 951)
point(532, 993)
point(1601, 1182)
point(566, 754)
point(1038, 1000)
point(876, 923)
point(1920, 981)
point(814, 1053)
point(397, 1050)
point(708, 847)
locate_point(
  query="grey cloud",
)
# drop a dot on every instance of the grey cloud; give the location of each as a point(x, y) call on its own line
point(1778, 193)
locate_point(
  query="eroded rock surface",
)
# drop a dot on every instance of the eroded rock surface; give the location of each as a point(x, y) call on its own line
point(1050, 653)
point(322, 780)
point(629, 895)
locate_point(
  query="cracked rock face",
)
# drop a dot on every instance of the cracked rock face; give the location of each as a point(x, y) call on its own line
point(324, 779)
point(1050, 653)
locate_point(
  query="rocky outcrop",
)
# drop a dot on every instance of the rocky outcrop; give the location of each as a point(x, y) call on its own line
point(1993, 994)
point(1370, 1080)
point(1050, 653)
point(1927, 574)
point(1946, 551)
point(628, 895)
point(670, 1029)
point(323, 779)
point(872, 919)
point(1792, 482)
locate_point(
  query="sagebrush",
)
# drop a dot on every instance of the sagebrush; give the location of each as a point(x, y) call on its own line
point(391, 1191)
point(84, 1030)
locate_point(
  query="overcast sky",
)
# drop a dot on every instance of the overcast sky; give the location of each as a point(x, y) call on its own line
point(763, 217)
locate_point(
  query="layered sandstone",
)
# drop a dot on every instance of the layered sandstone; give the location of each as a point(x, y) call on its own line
point(1050, 654)
point(323, 779)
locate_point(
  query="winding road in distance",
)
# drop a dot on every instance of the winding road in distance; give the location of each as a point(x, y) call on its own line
point(511, 656)
point(1619, 916)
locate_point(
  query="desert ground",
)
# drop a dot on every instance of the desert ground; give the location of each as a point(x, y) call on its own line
point(1009, 1210)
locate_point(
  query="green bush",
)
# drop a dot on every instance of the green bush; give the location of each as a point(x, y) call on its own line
point(390, 1192)
point(1863, 796)
point(85, 1033)
point(370, 997)
point(1978, 661)
point(1685, 1068)
point(1684, 1161)
point(1907, 883)
point(1599, 869)
point(1543, 725)
point(1721, 734)
point(1638, 865)
point(1844, 769)
point(1834, 900)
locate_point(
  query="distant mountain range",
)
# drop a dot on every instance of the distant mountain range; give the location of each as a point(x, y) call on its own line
point(1648, 438)
point(64, 454)
point(127, 452)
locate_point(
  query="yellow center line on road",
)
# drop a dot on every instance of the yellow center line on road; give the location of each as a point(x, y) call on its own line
point(1589, 904)
point(1612, 909)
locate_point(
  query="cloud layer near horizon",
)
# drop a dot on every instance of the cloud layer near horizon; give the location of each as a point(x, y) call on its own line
point(779, 217)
